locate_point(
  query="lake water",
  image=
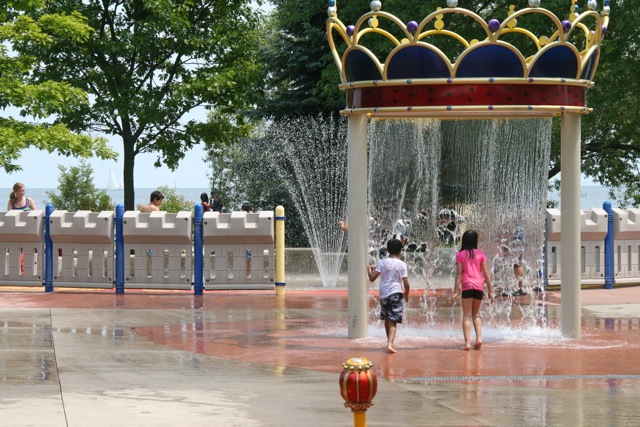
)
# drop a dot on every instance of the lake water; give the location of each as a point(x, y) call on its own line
point(39, 195)
point(592, 196)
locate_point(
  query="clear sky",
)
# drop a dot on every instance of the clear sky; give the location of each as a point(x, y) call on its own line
point(40, 170)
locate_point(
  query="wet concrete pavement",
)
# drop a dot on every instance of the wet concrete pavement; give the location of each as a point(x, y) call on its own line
point(247, 358)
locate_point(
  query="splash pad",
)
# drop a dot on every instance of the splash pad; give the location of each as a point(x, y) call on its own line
point(485, 73)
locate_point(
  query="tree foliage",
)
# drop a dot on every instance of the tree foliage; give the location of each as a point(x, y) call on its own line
point(33, 108)
point(147, 65)
point(77, 192)
point(244, 171)
point(611, 134)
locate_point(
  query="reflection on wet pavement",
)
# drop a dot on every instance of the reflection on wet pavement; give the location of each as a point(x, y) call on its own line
point(234, 358)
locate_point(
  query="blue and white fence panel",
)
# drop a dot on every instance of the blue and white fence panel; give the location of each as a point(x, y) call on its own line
point(239, 250)
point(157, 250)
point(21, 243)
point(83, 252)
point(626, 246)
point(593, 230)
point(553, 257)
point(235, 250)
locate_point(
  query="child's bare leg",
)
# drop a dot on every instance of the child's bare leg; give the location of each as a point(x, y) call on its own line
point(466, 331)
point(466, 322)
point(477, 323)
point(390, 327)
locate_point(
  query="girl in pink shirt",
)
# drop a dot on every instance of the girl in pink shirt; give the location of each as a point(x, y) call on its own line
point(471, 275)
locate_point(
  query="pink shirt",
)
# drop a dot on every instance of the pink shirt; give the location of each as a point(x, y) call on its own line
point(472, 277)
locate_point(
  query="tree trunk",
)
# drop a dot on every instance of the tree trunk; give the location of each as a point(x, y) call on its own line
point(129, 161)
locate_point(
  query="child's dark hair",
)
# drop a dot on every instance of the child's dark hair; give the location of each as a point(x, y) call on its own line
point(394, 246)
point(156, 195)
point(469, 242)
point(204, 198)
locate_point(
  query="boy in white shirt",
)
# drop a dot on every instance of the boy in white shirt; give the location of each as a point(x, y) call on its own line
point(393, 277)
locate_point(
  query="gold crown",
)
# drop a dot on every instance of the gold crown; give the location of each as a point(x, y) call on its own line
point(489, 77)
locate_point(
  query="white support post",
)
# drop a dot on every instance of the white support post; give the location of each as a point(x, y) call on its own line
point(357, 212)
point(570, 239)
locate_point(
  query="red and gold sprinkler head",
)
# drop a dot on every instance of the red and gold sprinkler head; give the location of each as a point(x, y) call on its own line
point(358, 384)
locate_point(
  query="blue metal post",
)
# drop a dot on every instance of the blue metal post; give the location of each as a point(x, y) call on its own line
point(608, 247)
point(198, 244)
point(119, 282)
point(48, 249)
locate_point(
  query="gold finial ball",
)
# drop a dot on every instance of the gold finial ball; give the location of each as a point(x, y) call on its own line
point(357, 364)
point(452, 3)
point(375, 5)
point(534, 3)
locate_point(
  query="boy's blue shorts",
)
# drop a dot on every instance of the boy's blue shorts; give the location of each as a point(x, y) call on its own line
point(392, 307)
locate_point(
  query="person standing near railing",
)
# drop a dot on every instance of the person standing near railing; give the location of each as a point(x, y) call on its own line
point(204, 201)
point(18, 199)
point(155, 201)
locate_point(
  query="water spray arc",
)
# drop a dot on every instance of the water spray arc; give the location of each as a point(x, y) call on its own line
point(490, 78)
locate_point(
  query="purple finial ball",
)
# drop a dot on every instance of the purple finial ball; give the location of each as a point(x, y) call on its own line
point(604, 30)
point(412, 26)
point(494, 24)
point(350, 30)
point(566, 25)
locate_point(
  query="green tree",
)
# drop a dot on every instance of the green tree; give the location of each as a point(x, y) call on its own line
point(296, 58)
point(611, 134)
point(244, 171)
point(39, 104)
point(76, 191)
point(224, 135)
point(148, 65)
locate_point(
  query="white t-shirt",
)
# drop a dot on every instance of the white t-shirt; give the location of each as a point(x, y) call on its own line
point(392, 271)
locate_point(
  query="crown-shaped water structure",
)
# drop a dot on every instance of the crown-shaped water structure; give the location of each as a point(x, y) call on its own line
point(425, 74)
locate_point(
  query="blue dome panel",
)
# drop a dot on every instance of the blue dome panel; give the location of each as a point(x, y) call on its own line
point(558, 61)
point(490, 60)
point(417, 62)
point(589, 68)
point(359, 66)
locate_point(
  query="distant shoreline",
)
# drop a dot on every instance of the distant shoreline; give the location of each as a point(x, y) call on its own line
point(593, 196)
point(141, 195)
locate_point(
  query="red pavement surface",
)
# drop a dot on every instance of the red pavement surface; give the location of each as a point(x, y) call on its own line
point(308, 329)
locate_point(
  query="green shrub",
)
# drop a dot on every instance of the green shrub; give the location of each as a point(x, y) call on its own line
point(76, 191)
